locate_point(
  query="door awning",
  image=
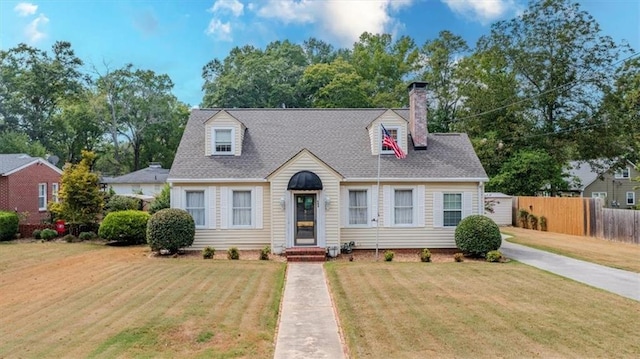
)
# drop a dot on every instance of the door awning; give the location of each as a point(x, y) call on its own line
point(305, 180)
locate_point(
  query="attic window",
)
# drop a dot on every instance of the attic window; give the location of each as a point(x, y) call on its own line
point(393, 131)
point(223, 141)
point(623, 173)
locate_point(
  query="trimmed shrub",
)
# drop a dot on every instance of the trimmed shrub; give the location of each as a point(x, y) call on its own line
point(87, 236)
point(494, 256)
point(476, 235)
point(122, 203)
point(48, 234)
point(425, 255)
point(523, 217)
point(208, 252)
point(533, 222)
point(128, 227)
point(543, 223)
point(170, 229)
point(264, 253)
point(36, 234)
point(388, 256)
point(233, 253)
point(458, 257)
point(8, 225)
point(70, 238)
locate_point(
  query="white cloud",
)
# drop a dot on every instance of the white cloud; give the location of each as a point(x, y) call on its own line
point(25, 9)
point(33, 30)
point(483, 11)
point(343, 20)
point(233, 6)
point(219, 30)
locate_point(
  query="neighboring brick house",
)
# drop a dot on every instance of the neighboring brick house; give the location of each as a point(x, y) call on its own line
point(27, 185)
point(616, 188)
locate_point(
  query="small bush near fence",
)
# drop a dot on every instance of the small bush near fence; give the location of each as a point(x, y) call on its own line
point(8, 225)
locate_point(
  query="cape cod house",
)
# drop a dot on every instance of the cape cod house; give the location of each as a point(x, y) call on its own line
point(322, 177)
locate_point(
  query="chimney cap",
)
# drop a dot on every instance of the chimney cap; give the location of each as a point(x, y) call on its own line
point(417, 84)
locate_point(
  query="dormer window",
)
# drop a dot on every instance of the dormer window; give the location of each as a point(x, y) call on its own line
point(623, 173)
point(393, 131)
point(223, 141)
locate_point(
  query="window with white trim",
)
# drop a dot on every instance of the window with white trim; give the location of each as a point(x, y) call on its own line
point(241, 208)
point(55, 188)
point(222, 142)
point(452, 209)
point(195, 205)
point(393, 131)
point(42, 196)
point(631, 198)
point(602, 195)
point(358, 207)
point(403, 206)
point(623, 173)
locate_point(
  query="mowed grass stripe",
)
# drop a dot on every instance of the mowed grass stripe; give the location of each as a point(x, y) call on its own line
point(477, 309)
point(128, 305)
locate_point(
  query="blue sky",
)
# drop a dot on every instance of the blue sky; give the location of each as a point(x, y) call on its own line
point(179, 37)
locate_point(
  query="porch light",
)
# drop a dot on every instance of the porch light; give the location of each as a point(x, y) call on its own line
point(282, 203)
point(327, 202)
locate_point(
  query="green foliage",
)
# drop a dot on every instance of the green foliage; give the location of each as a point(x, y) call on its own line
point(388, 255)
point(129, 227)
point(122, 203)
point(494, 256)
point(264, 253)
point(9, 222)
point(523, 218)
point(543, 223)
point(80, 198)
point(458, 257)
point(87, 236)
point(19, 142)
point(476, 235)
point(528, 173)
point(425, 255)
point(36, 234)
point(48, 234)
point(170, 229)
point(208, 252)
point(233, 253)
point(70, 238)
point(162, 201)
point(533, 222)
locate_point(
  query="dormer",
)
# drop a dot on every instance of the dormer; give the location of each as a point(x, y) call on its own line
point(224, 135)
point(397, 127)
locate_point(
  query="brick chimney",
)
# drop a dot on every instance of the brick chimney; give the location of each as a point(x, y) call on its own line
point(418, 114)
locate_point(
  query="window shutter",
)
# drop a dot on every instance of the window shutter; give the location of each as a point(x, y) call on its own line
point(419, 212)
point(467, 204)
point(344, 205)
point(387, 204)
point(438, 208)
point(374, 197)
point(175, 197)
point(224, 207)
point(212, 207)
point(257, 207)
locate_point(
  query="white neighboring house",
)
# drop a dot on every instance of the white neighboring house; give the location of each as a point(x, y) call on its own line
point(292, 178)
point(148, 181)
point(502, 208)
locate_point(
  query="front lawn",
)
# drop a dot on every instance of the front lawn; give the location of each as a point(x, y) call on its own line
point(477, 310)
point(78, 300)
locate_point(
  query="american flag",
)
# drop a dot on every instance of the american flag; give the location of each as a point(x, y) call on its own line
point(388, 141)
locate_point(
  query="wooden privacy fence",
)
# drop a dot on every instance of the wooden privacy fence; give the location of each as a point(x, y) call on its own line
point(582, 217)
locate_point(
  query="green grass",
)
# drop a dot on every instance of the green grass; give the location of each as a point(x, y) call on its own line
point(477, 310)
point(608, 253)
point(83, 300)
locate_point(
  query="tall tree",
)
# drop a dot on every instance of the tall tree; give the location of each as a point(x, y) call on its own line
point(33, 85)
point(335, 85)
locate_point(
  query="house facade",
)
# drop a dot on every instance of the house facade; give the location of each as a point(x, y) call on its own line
point(147, 181)
point(27, 185)
point(321, 177)
point(615, 187)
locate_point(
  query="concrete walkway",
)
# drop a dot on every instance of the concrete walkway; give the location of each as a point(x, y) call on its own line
point(308, 326)
point(621, 282)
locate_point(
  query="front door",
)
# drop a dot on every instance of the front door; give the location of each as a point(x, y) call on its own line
point(305, 220)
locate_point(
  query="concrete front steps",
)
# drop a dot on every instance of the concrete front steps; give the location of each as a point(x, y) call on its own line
point(305, 254)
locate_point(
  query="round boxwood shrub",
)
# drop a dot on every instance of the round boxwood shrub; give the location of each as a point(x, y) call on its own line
point(170, 229)
point(476, 235)
point(127, 227)
point(8, 225)
point(48, 234)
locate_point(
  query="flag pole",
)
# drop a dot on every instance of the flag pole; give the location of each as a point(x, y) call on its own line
point(378, 206)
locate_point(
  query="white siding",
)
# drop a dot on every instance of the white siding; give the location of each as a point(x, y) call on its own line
point(389, 119)
point(502, 211)
point(146, 188)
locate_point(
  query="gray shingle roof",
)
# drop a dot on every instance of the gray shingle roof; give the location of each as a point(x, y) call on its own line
point(336, 136)
point(9, 162)
point(145, 175)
